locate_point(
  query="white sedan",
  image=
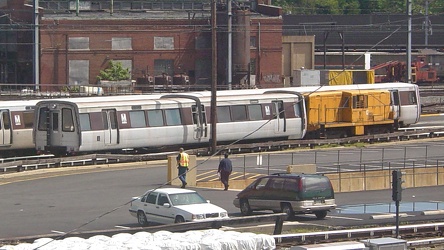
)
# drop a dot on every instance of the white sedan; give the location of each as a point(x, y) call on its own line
point(173, 205)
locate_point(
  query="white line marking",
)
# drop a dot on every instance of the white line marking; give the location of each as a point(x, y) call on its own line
point(57, 232)
point(345, 218)
point(122, 227)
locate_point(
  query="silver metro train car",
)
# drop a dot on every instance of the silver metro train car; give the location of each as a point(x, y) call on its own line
point(112, 123)
point(66, 126)
point(16, 126)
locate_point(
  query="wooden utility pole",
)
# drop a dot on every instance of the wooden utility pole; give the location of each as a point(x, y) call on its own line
point(213, 139)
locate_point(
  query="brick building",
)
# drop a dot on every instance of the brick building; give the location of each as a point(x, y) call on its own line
point(76, 45)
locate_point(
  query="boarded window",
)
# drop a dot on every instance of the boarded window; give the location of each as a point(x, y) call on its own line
point(78, 43)
point(121, 43)
point(163, 43)
point(78, 72)
point(155, 118)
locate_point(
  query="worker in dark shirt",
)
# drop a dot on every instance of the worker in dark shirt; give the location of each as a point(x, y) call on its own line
point(224, 170)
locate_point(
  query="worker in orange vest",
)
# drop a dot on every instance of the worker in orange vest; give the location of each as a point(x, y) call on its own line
point(183, 160)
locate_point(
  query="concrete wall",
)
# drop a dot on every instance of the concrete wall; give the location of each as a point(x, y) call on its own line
point(362, 181)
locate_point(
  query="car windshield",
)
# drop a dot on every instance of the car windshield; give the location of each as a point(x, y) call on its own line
point(186, 199)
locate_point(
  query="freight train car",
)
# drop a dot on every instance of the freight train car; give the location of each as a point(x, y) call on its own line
point(69, 126)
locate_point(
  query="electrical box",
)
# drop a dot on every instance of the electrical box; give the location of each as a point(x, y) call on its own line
point(385, 244)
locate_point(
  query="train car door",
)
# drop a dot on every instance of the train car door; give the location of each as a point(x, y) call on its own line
point(394, 104)
point(279, 116)
point(5, 129)
point(110, 126)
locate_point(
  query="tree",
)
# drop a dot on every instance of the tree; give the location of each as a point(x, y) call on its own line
point(114, 72)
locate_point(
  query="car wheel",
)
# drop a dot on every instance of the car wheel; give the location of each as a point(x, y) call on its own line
point(141, 218)
point(179, 219)
point(245, 207)
point(286, 208)
point(320, 214)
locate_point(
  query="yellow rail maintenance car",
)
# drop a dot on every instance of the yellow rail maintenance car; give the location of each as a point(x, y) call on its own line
point(339, 114)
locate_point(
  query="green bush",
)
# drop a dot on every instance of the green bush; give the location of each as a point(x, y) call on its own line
point(114, 72)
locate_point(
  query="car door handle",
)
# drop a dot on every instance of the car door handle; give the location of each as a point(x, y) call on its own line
point(144, 205)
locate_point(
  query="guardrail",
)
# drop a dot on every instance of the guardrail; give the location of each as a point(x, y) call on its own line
point(278, 218)
point(349, 234)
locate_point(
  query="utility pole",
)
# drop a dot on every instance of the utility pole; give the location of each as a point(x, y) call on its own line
point(230, 45)
point(213, 138)
point(426, 25)
point(36, 46)
point(409, 41)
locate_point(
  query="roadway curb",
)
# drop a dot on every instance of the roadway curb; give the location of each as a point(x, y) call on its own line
point(386, 216)
point(432, 212)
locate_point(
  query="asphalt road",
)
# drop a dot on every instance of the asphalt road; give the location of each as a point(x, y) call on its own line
point(98, 199)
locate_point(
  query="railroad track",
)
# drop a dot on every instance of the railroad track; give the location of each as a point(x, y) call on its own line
point(18, 164)
point(418, 235)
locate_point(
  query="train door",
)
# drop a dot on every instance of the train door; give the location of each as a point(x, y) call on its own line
point(5, 128)
point(200, 122)
point(394, 104)
point(110, 126)
point(279, 116)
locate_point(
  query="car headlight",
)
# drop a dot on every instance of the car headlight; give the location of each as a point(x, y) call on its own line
point(224, 214)
point(198, 216)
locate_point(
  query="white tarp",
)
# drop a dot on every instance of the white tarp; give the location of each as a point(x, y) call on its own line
point(211, 239)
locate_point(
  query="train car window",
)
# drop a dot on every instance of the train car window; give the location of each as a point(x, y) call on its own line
point(137, 119)
point(172, 117)
point(223, 114)
point(105, 120)
point(113, 119)
point(297, 110)
point(6, 121)
point(195, 114)
point(85, 122)
point(55, 121)
point(254, 112)
point(28, 119)
point(67, 120)
point(43, 118)
point(408, 98)
point(239, 113)
point(155, 118)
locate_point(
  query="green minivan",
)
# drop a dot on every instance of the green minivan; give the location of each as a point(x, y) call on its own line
point(288, 193)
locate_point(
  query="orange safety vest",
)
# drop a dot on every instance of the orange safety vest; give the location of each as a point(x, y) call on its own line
point(184, 160)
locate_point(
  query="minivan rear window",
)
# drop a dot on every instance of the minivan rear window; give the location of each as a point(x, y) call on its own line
point(317, 187)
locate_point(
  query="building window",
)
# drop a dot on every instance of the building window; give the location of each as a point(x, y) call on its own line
point(253, 66)
point(163, 43)
point(203, 41)
point(78, 43)
point(78, 72)
point(121, 43)
point(252, 42)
